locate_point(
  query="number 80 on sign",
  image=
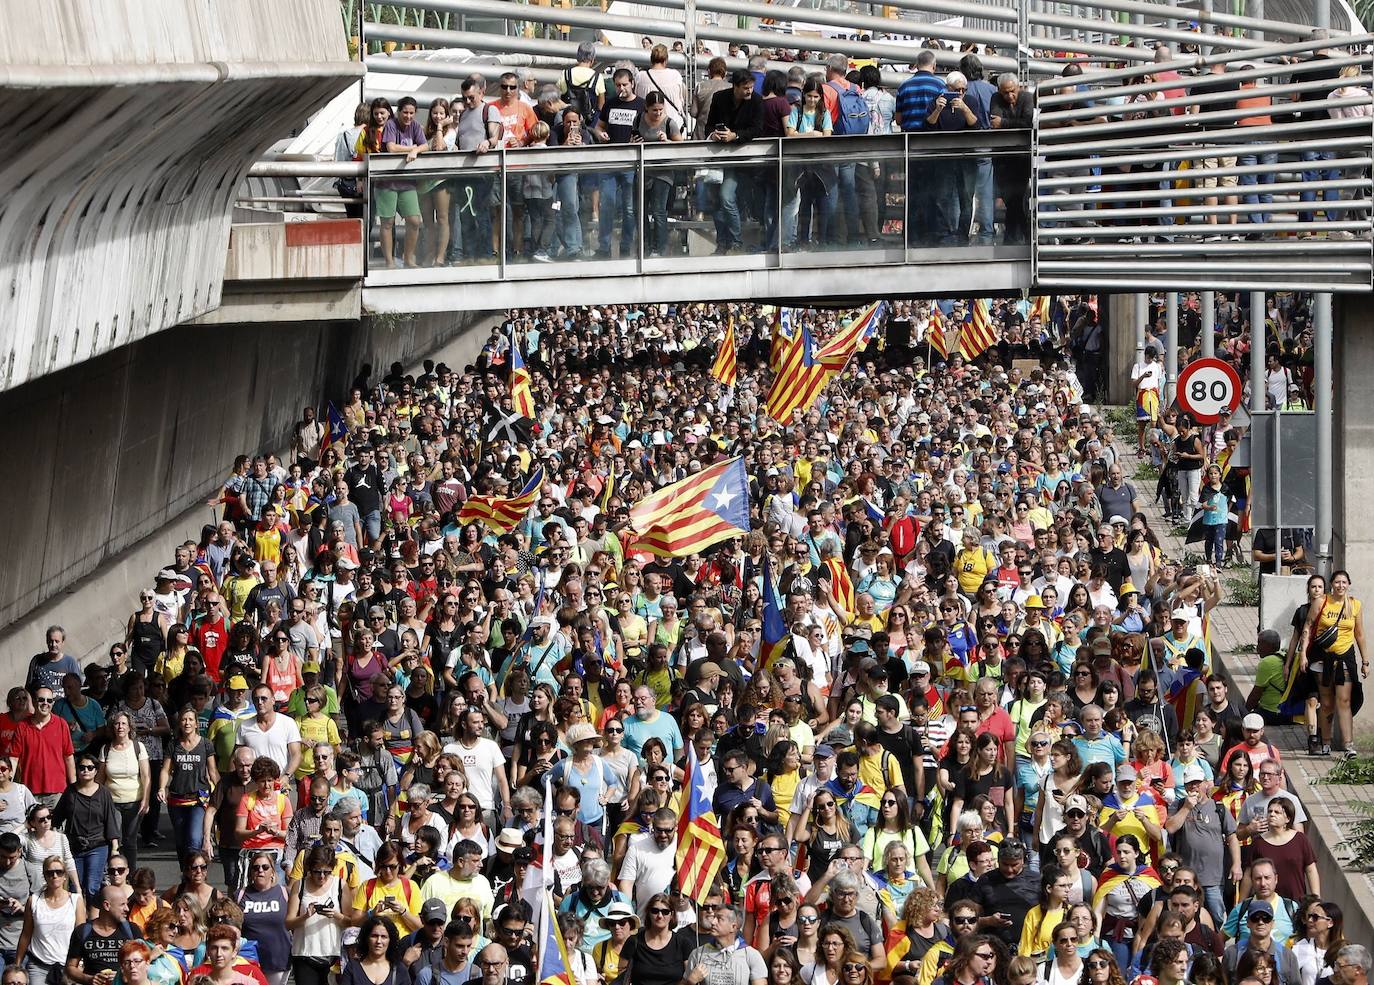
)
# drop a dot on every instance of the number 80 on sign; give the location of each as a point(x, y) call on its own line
point(1206, 388)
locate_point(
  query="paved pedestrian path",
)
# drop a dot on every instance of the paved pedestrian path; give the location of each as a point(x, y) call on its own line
point(1333, 808)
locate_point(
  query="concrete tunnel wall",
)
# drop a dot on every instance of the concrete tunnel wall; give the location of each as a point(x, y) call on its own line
point(112, 460)
point(132, 125)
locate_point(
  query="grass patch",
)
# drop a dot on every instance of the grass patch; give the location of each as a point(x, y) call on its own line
point(1122, 420)
point(1359, 837)
point(1246, 648)
point(1350, 771)
point(1145, 472)
point(1179, 530)
point(1242, 591)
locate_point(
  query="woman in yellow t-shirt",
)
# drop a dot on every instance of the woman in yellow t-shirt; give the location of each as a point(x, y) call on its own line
point(973, 563)
point(390, 894)
point(1336, 676)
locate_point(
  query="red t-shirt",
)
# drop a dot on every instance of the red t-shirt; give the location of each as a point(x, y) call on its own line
point(999, 723)
point(249, 970)
point(211, 639)
point(9, 728)
point(42, 754)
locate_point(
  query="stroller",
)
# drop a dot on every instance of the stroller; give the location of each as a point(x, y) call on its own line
point(1166, 489)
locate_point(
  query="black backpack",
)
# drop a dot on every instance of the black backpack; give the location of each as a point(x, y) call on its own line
point(582, 97)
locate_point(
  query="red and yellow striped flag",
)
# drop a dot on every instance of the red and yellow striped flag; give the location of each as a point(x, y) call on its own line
point(700, 850)
point(503, 515)
point(1040, 308)
point(977, 332)
point(521, 397)
point(725, 369)
point(935, 332)
point(841, 586)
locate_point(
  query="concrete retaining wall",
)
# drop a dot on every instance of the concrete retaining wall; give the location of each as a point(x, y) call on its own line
point(111, 461)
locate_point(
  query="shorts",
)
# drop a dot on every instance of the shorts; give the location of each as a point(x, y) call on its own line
point(1211, 163)
point(386, 202)
point(1338, 669)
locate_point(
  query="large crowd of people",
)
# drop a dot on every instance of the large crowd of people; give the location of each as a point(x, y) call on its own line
point(888, 198)
point(950, 703)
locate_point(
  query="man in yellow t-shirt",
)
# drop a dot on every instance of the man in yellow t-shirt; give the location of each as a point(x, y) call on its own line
point(346, 864)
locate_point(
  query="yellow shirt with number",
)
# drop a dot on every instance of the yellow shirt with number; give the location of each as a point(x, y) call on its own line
point(973, 567)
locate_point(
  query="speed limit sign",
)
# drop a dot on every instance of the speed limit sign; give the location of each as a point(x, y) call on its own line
point(1206, 387)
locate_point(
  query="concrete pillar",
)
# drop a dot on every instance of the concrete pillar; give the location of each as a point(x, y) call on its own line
point(1124, 329)
point(1324, 394)
point(1208, 302)
point(1258, 339)
point(1353, 455)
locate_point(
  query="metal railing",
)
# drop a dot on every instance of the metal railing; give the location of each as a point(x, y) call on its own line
point(633, 209)
point(1252, 178)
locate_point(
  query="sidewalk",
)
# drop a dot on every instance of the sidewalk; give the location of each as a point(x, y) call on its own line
point(1331, 808)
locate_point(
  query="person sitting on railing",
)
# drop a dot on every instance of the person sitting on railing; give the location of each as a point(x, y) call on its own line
point(1013, 108)
point(736, 117)
point(953, 175)
point(619, 120)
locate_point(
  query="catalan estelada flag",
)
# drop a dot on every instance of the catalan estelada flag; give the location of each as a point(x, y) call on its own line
point(1185, 694)
point(1040, 306)
point(800, 377)
point(700, 850)
point(977, 332)
point(774, 638)
point(867, 324)
point(502, 515)
point(1113, 877)
point(690, 515)
point(335, 428)
point(935, 333)
point(725, 368)
point(521, 397)
point(554, 966)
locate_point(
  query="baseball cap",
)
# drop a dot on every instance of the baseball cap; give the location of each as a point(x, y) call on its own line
point(824, 751)
point(310, 667)
point(1192, 773)
point(1259, 907)
point(920, 667)
point(1126, 772)
point(1182, 615)
point(434, 911)
point(237, 683)
point(1076, 802)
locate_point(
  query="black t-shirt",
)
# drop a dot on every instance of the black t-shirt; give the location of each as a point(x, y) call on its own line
point(98, 953)
point(1014, 897)
point(663, 967)
point(365, 488)
point(621, 117)
point(1116, 563)
point(908, 747)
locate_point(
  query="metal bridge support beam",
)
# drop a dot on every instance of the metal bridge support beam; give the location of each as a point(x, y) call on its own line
point(1324, 393)
point(1259, 336)
point(1170, 347)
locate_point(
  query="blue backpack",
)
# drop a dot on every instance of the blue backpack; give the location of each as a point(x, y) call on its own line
point(852, 116)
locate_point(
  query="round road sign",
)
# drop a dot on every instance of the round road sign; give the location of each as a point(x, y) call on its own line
point(1206, 387)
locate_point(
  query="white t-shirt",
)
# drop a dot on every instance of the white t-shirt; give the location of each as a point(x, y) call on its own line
point(1149, 374)
point(649, 867)
point(479, 761)
point(273, 742)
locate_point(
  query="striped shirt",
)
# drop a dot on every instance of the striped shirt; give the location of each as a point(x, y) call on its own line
point(915, 97)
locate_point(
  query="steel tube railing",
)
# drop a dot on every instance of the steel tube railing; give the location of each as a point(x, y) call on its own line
point(1126, 212)
point(1218, 137)
point(1274, 188)
point(1148, 177)
point(307, 169)
point(1198, 123)
point(1295, 146)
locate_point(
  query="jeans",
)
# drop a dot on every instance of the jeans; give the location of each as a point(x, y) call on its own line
point(229, 861)
point(372, 525)
point(539, 212)
point(128, 831)
point(813, 193)
point(310, 971)
point(1189, 483)
point(188, 827)
point(1013, 184)
point(90, 870)
point(470, 216)
point(1216, 903)
point(1250, 180)
point(42, 974)
point(869, 185)
point(569, 223)
point(984, 200)
point(1214, 543)
point(617, 195)
point(728, 227)
point(657, 195)
point(952, 189)
point(1319, 173)
point(849, 201)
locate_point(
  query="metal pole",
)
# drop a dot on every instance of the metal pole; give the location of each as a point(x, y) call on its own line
point(689, 43)
point(1255, 9)
point(1257, 344)
point(1170, 347)
point(1323, 384)
point(1142, 317)
point(1023, 39)
point(1209, 323)
point(1321, 17)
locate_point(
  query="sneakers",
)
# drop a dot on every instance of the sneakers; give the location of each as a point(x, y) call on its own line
point(1314, 745)
point(1326, 748)
point(1349, 752)
point(542, 257)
